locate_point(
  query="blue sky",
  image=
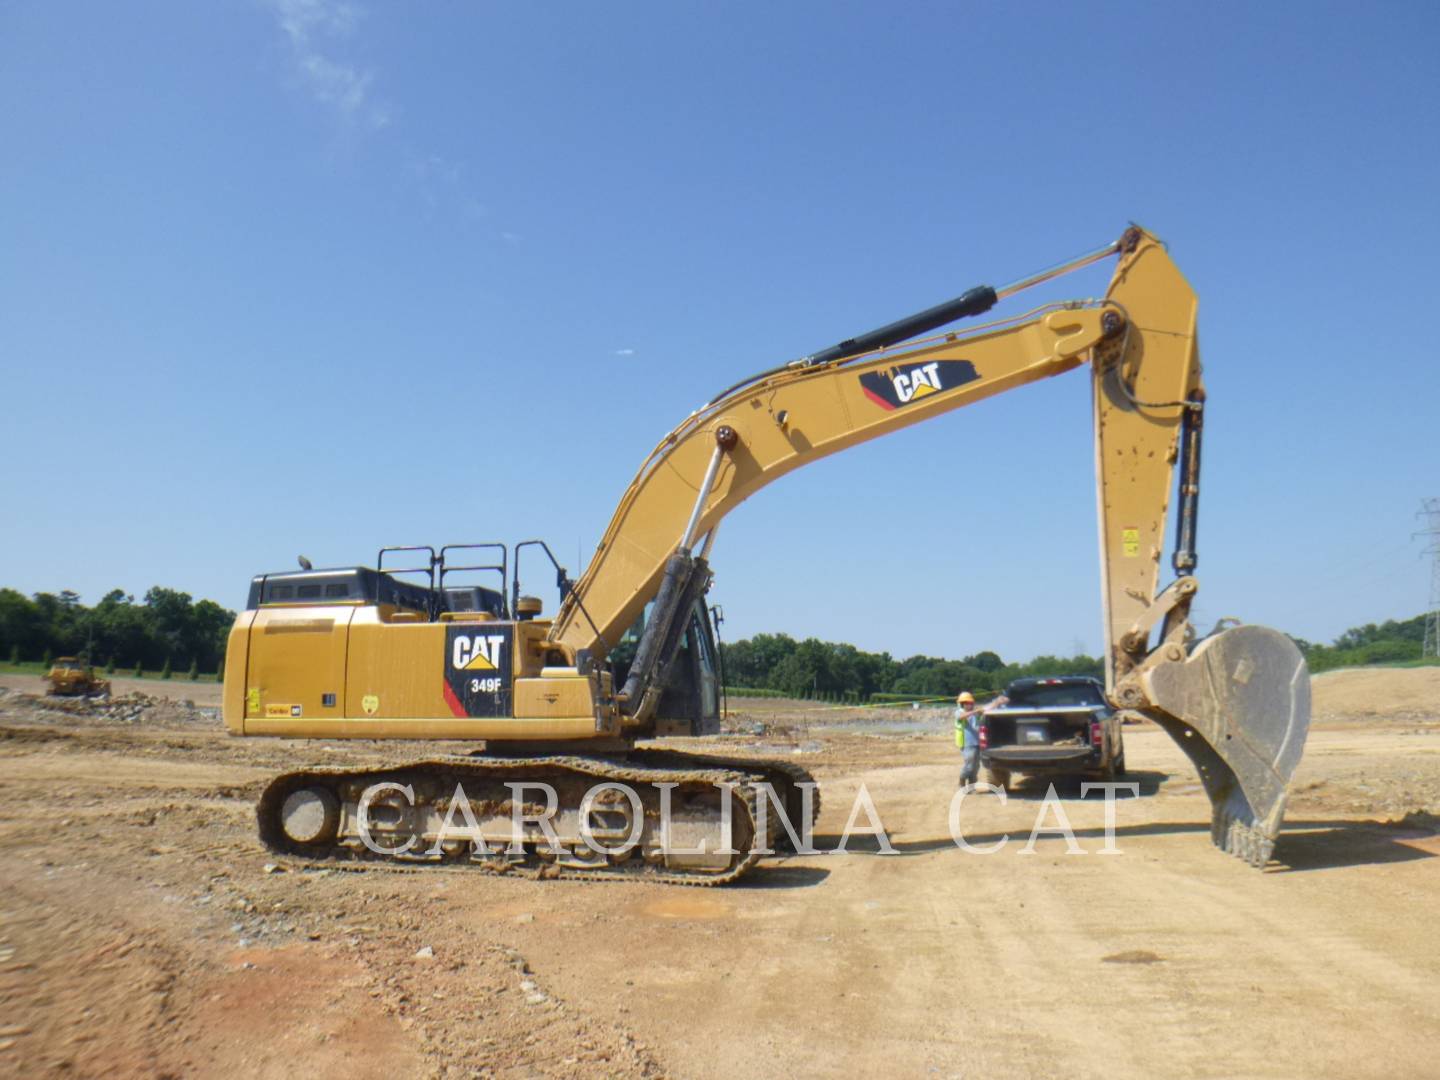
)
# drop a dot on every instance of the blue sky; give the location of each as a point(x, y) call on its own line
point(314, 277)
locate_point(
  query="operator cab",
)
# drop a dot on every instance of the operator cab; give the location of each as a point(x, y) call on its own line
point(691, 702)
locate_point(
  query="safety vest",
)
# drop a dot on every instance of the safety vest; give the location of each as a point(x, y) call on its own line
point(960, 727)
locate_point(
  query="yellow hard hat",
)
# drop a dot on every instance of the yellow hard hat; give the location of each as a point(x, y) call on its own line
point(965, 698)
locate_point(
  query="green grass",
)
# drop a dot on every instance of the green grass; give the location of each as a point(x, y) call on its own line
point(34, 667)
point(24, 667)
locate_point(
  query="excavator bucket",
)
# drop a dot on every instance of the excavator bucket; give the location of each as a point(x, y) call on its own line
point(1239, 706)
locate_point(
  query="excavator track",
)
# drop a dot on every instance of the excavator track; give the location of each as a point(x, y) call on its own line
point(786, 778)
point(421, 818)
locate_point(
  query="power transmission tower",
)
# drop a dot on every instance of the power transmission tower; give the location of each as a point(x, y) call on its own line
point(1430, 512)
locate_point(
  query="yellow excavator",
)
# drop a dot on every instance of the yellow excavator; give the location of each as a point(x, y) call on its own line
point(424, 649)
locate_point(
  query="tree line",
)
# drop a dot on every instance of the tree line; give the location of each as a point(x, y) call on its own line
point(841, 672)
point(1386, 643)
point(835, 671)
point(166, 629)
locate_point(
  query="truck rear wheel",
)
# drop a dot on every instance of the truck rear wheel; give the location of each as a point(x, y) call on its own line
point(997, 776)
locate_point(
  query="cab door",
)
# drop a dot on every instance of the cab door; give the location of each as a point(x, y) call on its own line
point(707, 678)
point(691, 702)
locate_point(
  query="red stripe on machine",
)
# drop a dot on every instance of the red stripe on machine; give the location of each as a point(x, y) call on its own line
point(877, 399)
point(454, 702)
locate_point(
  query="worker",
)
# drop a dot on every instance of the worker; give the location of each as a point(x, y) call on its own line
point(967, 736)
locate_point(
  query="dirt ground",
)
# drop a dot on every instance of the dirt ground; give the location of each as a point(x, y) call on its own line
point(144, 932)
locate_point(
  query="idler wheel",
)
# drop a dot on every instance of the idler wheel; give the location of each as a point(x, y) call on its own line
point(310, 815)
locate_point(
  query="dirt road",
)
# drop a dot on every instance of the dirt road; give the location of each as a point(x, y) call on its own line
point(142, 934)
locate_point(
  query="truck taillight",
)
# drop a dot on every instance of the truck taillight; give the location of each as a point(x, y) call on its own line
point(984, 736)
point(1097, 734)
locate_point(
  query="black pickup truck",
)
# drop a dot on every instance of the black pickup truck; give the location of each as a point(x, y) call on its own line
point(1054, 726)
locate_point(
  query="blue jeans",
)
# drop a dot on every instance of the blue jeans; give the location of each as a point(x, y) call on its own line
point(969, 764)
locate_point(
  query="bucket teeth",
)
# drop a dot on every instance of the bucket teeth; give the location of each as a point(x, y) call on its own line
point(1242, 839)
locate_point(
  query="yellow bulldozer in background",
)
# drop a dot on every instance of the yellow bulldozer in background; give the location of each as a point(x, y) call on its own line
point(374, 653)
point(71, 676)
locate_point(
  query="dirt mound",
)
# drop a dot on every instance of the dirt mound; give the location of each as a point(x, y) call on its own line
point(1394, 693)
point(1418, 819)
point(133, 708)
point(177, 689)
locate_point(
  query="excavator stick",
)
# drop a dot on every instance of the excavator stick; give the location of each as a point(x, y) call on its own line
point(1237, 701)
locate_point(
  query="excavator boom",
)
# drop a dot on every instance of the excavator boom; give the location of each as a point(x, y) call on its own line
point(1236, 702)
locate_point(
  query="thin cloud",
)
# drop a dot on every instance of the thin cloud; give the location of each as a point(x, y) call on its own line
point(443, 185)
point(316, 32)
point(312, 27)
point(334, 83)
point(624, 352)
point(301, 18)
point(434, 168)
point(435, 177)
